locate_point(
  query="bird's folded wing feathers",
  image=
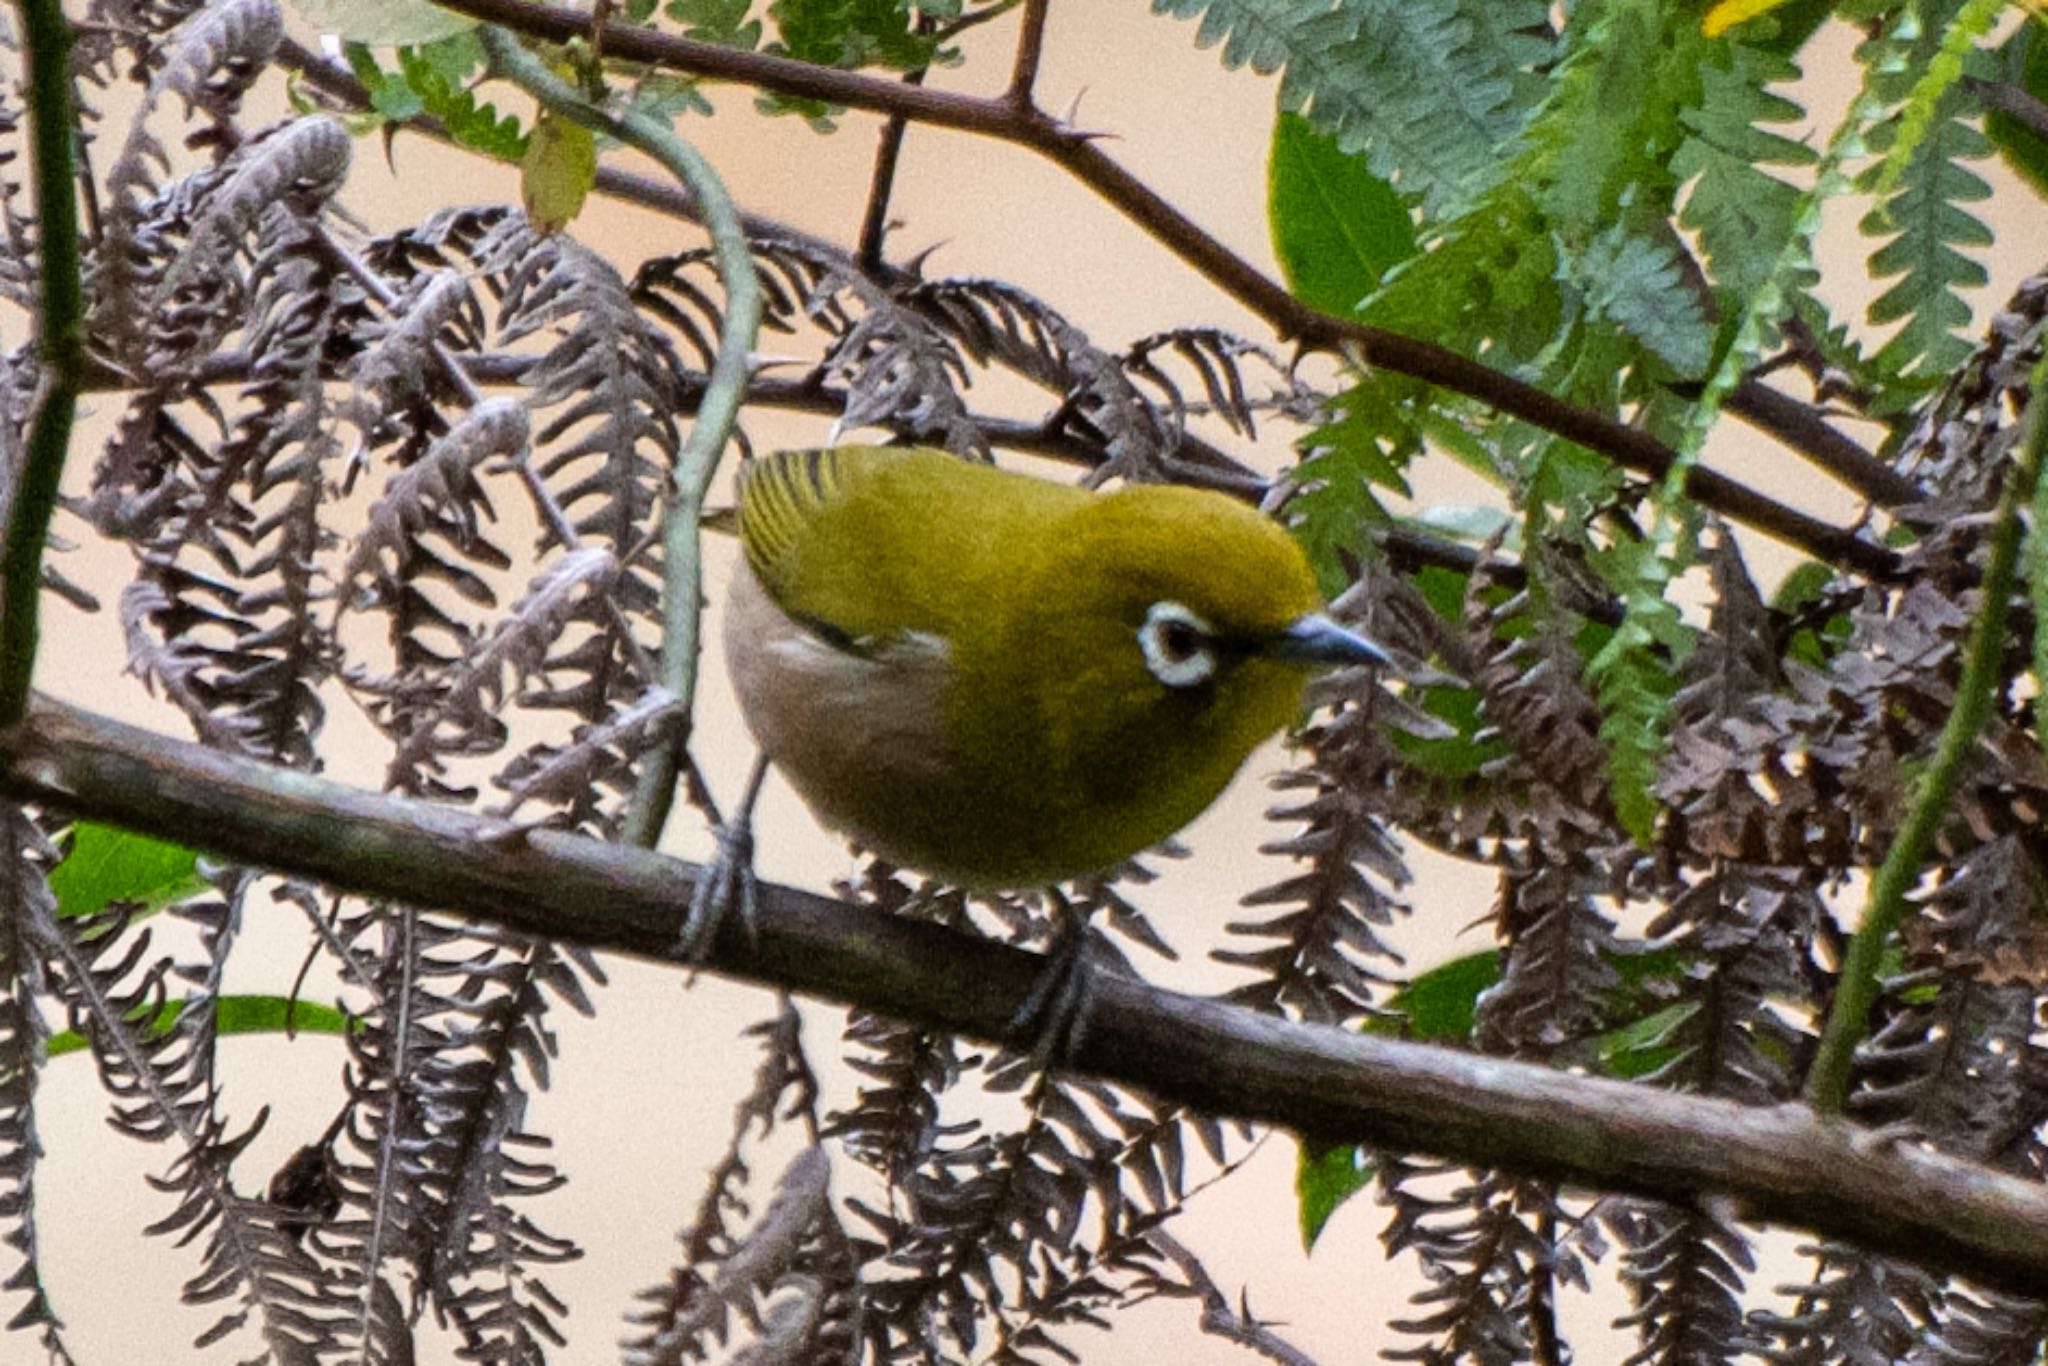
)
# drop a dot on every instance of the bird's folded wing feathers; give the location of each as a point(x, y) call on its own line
point(778, 496)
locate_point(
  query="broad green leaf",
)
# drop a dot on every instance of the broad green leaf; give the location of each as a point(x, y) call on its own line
point(1324, 1178)
point(557, 173)
point(1443, 1002)
point(105, 865)
point(385, 23)
point(1337, 228)
point(1474, 742)
point(234, 1015)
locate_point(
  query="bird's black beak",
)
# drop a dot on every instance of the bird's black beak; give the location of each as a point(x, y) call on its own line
point(1317, 640)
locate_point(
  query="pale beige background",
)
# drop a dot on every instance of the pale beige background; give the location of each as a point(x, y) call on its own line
point(642, 1095)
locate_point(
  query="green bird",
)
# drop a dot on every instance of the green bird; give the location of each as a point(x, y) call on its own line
point(1005, 682)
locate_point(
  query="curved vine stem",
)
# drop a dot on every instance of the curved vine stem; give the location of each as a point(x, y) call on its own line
point(725, 390)
point(1827, 1084)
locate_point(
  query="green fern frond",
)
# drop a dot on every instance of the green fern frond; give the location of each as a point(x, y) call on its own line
point(1634, 678)
point(1922, 186)
point(853, 33)
point(1635, 281)
point(1742, 212)
point(1429, 90)
point(1351, 461)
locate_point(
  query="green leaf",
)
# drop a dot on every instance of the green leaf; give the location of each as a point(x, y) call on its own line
point(1459, 757)
point(665, 97)
point(391, 95)
point(1337, 228)
point(1804, 584)
point(1643, 1046)
point(557, 173)
point(1347, 462)
point(1921, 183)
point(1473, 522)
point(1442, 1003)
point(104, 865)
point(1742, 212)
point(1788, 27)
point(385, 23)
point(233, 1015)
point(1324, 1178)
point(1633, 678)
point(1488, 287)
point(438, 74)
point(852, 33)
point(723, 22)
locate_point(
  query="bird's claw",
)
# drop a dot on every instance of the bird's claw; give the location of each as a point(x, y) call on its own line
point(1054, 1014)
point(726, 885)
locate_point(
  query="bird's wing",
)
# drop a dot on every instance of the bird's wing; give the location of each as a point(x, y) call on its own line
point(869, 545)
point(802, 538)
point(779, 496)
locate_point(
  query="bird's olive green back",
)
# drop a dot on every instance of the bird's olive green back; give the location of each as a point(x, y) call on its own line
point(868, 541)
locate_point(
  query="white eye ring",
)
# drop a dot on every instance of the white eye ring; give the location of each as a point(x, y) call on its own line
point(1179, 646)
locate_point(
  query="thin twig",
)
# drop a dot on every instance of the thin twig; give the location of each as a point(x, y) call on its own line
point(1030, 49)
point(1203, 464)
point(874, 223)
point(717, 411)
point(2011, 100)
point(1218, 1318)
point(60, 343)
point(1778, 1164)
point(1827, 1084)
point(1802, 427)
point(1078, 153)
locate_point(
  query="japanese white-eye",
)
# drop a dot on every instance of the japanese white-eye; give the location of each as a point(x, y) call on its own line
point(1007, 682)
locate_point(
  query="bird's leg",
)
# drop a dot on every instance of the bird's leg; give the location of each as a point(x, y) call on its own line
point(727, 883)
point(1054, 1015)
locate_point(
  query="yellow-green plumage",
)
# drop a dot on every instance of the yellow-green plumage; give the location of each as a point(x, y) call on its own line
point(945, 659)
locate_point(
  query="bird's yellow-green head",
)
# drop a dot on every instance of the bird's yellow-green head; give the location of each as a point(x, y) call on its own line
point(1033, 682)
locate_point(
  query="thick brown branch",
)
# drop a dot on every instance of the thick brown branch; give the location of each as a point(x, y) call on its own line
point(1781, 1165)
point(1077, 152)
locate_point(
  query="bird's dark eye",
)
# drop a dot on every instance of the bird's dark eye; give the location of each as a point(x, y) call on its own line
point(1179, 647)
point(1178, 640)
